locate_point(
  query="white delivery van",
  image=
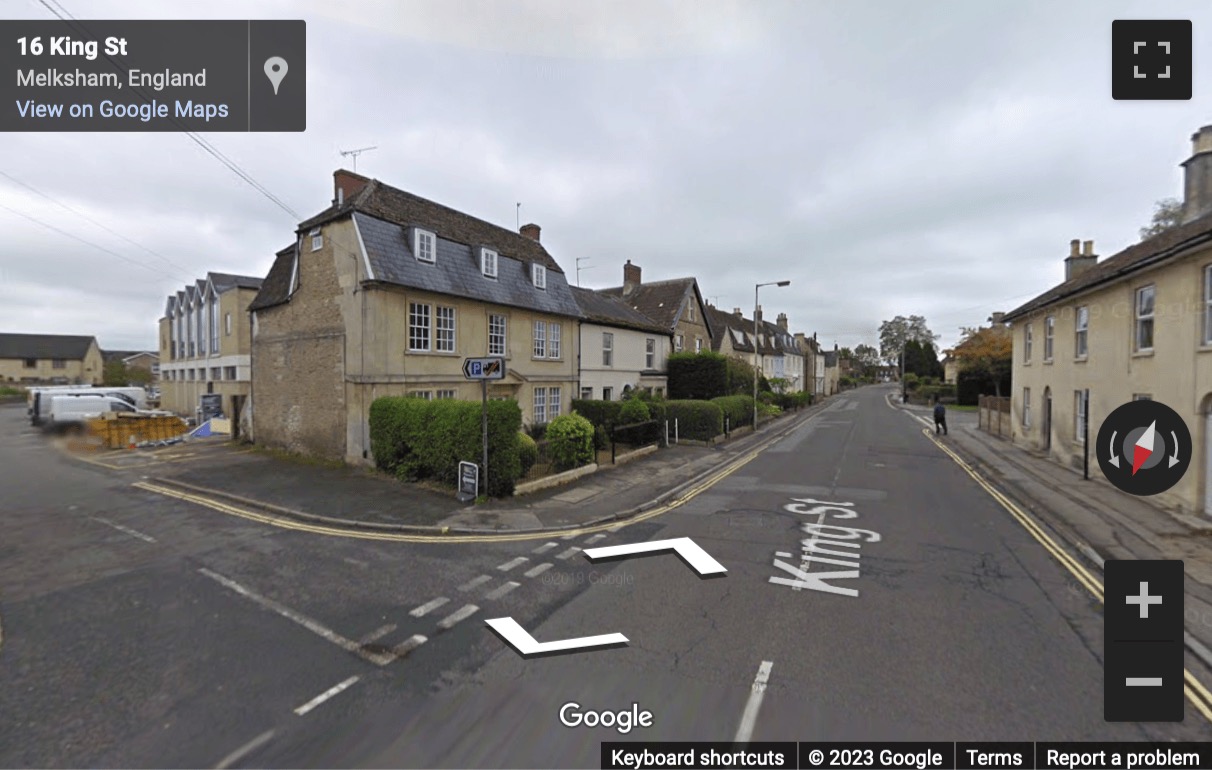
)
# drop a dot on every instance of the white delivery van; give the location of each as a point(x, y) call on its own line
point(135, 397)
point(71, 411)
point(34, 395)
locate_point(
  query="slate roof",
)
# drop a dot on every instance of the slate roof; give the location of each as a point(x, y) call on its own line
point(275, 289)
point(740, 330)
point(226, 281)
point(456, 270)
point(396, 206)
point(659, 300)
point(68, 347)
point(612, 311)
point(1126, 262)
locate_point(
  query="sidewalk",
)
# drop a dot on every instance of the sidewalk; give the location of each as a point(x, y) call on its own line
point(353, 497)
point(1099, 520)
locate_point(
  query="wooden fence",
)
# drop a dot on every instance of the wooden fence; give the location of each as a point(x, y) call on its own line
point(994, 415)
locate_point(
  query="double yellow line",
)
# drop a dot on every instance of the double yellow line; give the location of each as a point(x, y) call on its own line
point(1196, 692)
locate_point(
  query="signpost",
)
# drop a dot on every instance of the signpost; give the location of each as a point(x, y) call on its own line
point(483, 369)
point(469, 481)
point(210, 405)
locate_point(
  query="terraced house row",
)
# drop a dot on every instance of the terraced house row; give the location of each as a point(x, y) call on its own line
point(386, 293)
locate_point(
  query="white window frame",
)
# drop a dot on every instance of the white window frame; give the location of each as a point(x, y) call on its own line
point(317, 239)
point(425, 394)
point(678, 342)
point(227, 324)
point(1028, 335)
point(698, 344)
point(538, 276)
point(1140, 319)
point(425, 246)
point(607, 393)
point(607, 349)
point(1049, 337)
point(488, 263)
point(540, 406)
point(587, 394)
point(1078, 416)
point(553, 403)
point(443, 314)
point(502, 334)
point(555, 335)
point(414, 317)
point(539, 348)
point(650, 353)
point(1081, 334)
point(1026, 407)
point(446, 393)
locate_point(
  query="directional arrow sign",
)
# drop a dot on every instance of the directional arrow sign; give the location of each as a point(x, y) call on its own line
point(696, 558)
point(516, 637)
point(1114, 451)
point(1174, 457)
point(491, 368)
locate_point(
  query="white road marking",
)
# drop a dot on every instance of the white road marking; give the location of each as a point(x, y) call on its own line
point(428, 607)
point(749, 716)
point(330, 692)
point(568, 554)
point(408, 645)
point(545, 547)
point(539, 570)
point(463, 613)
point(500, 591)
point(474, 583)
point(245, 750)
point(595, 538)
point(691, 552)
point(378, 633)
point(513, 563)
point(126, 530)
point(568, 537)
point(355, 562)
point(311, 625)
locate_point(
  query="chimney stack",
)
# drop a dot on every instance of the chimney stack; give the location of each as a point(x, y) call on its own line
point(737, 312)
point(1197, 187)
point(997, 317)
point(782, 321)
point(631, 278)
point(1079, 261)
point(530, 231)
point(346, 184)
point(757, 314)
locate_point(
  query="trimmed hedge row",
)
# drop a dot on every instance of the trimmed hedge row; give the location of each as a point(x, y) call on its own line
point(570, 441)
point(699, 375)
point(696, 420)
point(605, 413)
point(418, 439)
point(738, 409)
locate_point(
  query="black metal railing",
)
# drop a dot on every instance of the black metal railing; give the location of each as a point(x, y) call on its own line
point(635, 435)
point(558, 455)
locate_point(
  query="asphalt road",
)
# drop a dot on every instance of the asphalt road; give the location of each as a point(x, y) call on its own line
point(142, 631)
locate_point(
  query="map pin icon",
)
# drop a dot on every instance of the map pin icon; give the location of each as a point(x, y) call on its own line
point(275, 70)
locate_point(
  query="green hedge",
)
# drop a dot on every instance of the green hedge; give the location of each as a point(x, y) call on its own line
point(696, 420)
point(942, 392)
point(633, 410)
point(570, 441)
point(418, 439)
point(604, 413)
point(701, 375)
point(738, 410)
point(528, 453)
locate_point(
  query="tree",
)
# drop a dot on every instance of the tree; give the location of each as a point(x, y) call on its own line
point(867, 356)
point(1167, 213)
point(898, 332)
point(987, 354)
point(117, 374)
point(922, 360)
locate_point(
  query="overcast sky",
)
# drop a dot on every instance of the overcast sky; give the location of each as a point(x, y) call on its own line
point(930, 158)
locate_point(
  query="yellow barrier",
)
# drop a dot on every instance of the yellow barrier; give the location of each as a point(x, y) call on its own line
point(122, 431)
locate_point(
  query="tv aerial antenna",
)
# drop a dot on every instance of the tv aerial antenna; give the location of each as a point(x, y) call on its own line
point(355, 154)
point(579, 268)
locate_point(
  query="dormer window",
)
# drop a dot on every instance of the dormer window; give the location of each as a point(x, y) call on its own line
point(317, 240)
point(538, 275)
point(488, 263)
point(423, 245)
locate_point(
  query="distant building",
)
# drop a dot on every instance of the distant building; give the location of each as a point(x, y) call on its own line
point(621, 348)
point(676, 304)
point(147, 360)
point(50, 358)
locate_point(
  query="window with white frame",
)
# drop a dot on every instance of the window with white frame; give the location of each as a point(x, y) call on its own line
point(540, 406)
point(227, 324)
point(1079, 416)
point(317, 239)
point(690, 311)
point(214, 324)
point(587, 394)
point(418, 327)
point(444, 342)
point(538, 276)
point(425, 394)
point(677, 343)
point(698, 345)
point(1081, 337)
point(607, 349)
point(1027, 340)
point(447, 394)
point(1207, 337)
point(488, 263)
point(553, 403)
point(607, 394)
point(540, 339)
point(1026, 407)
point(423, 246)
point(650, 353)
point(554, 333)
point(1145, 296)
point(1049, 328)
point(496, 335)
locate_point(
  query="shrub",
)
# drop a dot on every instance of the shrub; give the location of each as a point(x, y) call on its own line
point(604, 413)
point(846, 382)
point(570, 441)
point(697, 420)
point(738, 409)
point(601, 437)
point(697, 375)
point(911, 381)
point(945, 392)
point(536, 430)
point(632, 411)
point(528, 453)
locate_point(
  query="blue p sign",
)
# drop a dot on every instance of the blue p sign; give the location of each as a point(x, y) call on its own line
point(477, 369)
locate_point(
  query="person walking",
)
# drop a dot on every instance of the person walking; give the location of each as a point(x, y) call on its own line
point(940, 417)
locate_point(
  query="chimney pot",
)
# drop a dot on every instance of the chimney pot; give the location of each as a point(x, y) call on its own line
point(1087, 248)
point(737, 312)
point(530, 231)
point(1074, 246)
point(631, 278)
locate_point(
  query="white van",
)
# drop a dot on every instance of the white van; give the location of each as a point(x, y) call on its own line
point(33, 395)
point(40, 401)
point(68, 411)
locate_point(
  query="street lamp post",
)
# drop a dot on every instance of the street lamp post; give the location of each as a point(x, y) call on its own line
point(755, 343)
point(904, 388)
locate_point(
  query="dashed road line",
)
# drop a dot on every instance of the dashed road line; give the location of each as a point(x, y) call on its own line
point(330, 692)
point(125, 530)
point(408, 645)
point(539, 570)
point(501, 590)
point(512, 563)
point(377, 634)
point(569, 537)
point(595, 539)
point(463, 613)
point(474, 583)
point(545, 547)
point(311, 625)
point(245, 750)
point(568, 554)
point(428, 607)
point(754, 704)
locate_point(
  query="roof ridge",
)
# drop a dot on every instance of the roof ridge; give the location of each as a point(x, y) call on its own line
point(451, 209)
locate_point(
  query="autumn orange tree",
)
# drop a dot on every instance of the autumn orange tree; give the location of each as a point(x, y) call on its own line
point(986, 354)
